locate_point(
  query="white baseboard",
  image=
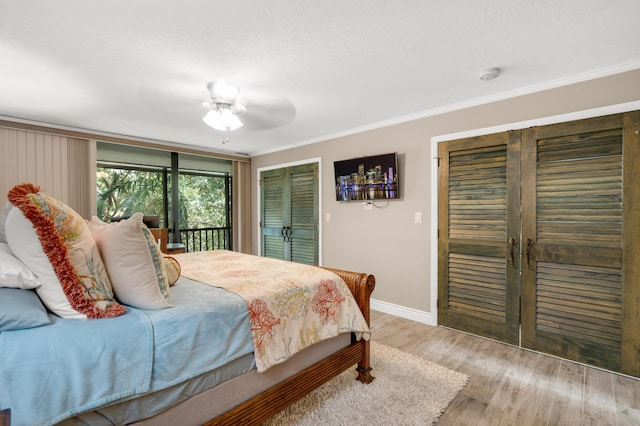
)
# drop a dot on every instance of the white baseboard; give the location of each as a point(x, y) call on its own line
point(403, 312)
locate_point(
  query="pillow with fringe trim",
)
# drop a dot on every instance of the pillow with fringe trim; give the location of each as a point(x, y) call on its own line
point(134, 262)
point(57, 246)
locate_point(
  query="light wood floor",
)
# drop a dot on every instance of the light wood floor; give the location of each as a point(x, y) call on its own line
point(512, 386)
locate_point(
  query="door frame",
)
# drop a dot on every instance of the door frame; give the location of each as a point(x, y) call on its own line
point(259, 171)
point(519, 125)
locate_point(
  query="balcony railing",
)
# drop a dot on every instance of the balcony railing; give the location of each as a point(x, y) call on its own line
point(203, 239)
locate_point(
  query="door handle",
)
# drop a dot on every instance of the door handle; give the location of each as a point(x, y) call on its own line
point(512, 244)
point(529, 243)
point(286, 233)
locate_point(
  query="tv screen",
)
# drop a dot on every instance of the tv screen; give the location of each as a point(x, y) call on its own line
point(367, 178)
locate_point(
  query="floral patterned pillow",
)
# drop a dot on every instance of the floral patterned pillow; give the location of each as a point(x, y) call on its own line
point(56, 245)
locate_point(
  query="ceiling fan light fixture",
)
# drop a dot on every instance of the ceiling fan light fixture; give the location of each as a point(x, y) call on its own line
point(222, 119)
point(223, 91)
point(224, 106)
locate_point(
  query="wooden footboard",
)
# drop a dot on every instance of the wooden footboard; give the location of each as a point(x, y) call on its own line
point(275, 399)
point(5, 417)
point(361, 286)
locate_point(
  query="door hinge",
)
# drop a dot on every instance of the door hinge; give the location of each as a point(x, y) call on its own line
point(438, 160)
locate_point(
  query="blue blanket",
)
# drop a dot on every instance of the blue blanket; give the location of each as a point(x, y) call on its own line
point(71, 366)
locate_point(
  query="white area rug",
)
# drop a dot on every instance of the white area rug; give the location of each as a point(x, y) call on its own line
point(408, 390)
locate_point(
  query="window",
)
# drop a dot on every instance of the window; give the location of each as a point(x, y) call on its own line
point(132, 179)
point(123, 190)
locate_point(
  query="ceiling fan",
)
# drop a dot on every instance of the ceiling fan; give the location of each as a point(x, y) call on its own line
point(181, 97)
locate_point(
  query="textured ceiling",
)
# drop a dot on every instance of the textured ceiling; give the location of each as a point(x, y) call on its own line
point(308, 70)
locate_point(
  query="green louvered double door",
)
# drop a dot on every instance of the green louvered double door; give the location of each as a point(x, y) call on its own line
point(539, 239)
point(289, 213)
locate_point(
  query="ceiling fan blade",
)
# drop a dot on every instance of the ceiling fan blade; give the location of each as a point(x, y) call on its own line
point(266, 111)
point(175, 99)
point(153, 96)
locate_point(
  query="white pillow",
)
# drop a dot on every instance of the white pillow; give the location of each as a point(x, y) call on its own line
point(3, 220)
point(134, 262)
point(14, 273)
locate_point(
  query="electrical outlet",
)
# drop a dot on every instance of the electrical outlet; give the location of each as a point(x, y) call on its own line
point(368, 206)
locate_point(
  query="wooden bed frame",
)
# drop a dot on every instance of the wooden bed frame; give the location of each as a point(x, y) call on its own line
point(275, 399)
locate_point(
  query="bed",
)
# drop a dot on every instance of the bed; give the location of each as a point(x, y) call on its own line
point(195, 361)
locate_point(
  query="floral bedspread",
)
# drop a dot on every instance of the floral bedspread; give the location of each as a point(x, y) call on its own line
point(291, 306)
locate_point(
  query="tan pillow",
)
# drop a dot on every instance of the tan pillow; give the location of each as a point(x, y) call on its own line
point(134, 262)
point(54, 242)
point(173, 268)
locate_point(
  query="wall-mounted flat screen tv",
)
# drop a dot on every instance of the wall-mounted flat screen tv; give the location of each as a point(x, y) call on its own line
point(367, 178)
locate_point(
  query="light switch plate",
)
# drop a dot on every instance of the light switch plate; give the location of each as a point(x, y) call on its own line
point(417, 217)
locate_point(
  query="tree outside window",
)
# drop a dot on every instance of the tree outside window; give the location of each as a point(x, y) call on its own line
point(204, 200)
point(125, 191)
